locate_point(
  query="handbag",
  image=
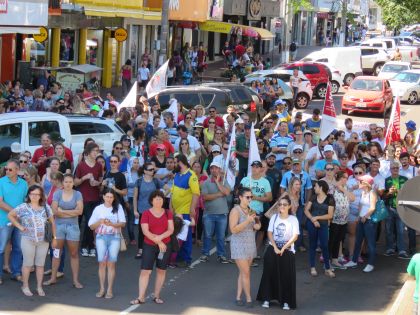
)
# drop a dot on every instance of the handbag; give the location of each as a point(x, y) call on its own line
point(123, 244)
point(380, 213)
point(48, 233)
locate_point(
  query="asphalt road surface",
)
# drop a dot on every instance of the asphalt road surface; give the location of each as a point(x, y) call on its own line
point(209, 288)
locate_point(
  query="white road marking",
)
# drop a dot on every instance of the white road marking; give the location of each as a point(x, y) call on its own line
point(171, 281)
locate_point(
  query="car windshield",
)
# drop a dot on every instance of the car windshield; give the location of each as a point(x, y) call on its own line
point(394, 68)
point(367, 85)
point(407, 77)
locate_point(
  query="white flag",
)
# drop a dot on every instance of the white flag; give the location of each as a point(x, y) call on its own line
point(173, 108)
point(130, 100)
point(230, 168)
point(158, 81)
point(329, 117)
point(253, 155)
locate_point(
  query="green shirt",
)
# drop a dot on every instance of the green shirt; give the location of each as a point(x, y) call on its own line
point(397, 182)
point(242, 145)
point(413, 269)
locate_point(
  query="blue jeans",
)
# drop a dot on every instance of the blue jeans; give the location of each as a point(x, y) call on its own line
point(186, 248)
point(365, 231)
point(214, 223)
point(316, 234)
point(16, 256)
point(300, 216)
point(107, 247)
point(392, 220)
point(5, 233)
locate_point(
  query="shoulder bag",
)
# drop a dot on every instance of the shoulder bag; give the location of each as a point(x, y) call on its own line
point(380, 213)
point(48, 233)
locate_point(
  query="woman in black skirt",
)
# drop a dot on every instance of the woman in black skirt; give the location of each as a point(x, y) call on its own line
point(278, 281)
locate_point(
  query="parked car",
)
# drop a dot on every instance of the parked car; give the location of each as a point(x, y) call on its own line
point(26, 128)
point(409, 53)
point(368, 94)
point(347, 60)
point(373, 59)
point(305, 90)
point(406, 85)
point(336, 78)
point(392, 68)
point(318, 74)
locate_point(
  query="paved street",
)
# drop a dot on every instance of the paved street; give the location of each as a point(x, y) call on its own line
point(209, 288)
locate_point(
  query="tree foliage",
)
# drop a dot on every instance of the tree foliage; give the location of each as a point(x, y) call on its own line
point(398, 13)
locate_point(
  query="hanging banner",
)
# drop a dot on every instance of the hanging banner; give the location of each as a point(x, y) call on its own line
point(329, 117)
point(393, 132)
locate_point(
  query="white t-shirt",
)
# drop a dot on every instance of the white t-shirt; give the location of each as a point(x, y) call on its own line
point(313, 152)
point(102, 212)
point(182, 235)
point(194, 144)
point(200, 120)
point(378, 182)
point(283, 230)
point(410, 172)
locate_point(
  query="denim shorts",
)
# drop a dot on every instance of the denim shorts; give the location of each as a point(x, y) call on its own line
point(353, 215)
point(68, 232)
point(107, 247)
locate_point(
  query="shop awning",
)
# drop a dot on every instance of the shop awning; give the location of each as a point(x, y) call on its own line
point(230, 28)
point(122, 12)
point(18, 30)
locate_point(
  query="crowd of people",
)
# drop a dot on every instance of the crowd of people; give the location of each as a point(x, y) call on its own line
point(165, 188)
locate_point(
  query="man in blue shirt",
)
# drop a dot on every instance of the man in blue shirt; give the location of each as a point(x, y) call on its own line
point(279, 144)
point(314, 123)
point(170, 126)
point(13, 191)
point(328, 158)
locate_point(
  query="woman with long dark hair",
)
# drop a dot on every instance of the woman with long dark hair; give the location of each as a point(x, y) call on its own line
point(117, 149)
point(278, 281)
point(107, 220)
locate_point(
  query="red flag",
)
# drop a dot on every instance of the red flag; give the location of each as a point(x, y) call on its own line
point(329, 118)
point(393, 132)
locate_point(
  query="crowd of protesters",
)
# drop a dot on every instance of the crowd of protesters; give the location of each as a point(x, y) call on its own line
point(167, 186)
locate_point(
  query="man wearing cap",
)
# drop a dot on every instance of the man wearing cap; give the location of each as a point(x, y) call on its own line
point(305, 193)
point(215, 194)
point(282, 112)
point(410, 126)
point(240, 126)
point(213, 114)
point(279, 143)
point(242, 151)
point(261, 193)
point(328, 158)
point(274, 174)
point(42, 154)
point(194, 144)
point(94, 110)
point(394, 225)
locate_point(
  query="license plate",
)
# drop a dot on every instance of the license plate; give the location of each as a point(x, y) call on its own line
point(361, 105)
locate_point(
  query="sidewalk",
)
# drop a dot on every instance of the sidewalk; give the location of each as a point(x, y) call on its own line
point(217, 67)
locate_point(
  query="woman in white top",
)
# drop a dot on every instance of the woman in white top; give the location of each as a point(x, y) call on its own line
point(278, 281)
point(366, 228)
point(107, 220)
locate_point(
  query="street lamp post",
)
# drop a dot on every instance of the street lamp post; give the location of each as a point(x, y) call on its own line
point(164, 32)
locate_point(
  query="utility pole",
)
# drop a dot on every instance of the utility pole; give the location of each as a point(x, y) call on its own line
point(164, 31)
point(343, 23)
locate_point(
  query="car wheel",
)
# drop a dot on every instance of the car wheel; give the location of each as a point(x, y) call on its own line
point(344, 112)
point(335, 86)
point(348, 79)
point(377, 68)
point(412, 98)
point(321, 90)
point(302, 101)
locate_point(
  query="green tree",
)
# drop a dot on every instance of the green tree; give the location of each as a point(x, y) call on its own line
point(398, 13)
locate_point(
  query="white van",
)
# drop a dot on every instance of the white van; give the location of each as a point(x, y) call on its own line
point(27, 128)
point(346, 59)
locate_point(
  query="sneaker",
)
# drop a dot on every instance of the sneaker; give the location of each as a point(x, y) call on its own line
point(92, 253)
point(403, 255)
point(302, 249)
point(389, 252)
point(258, 257)
point(85, 252)
point(338, 266)
point(318, 250)
point(172, 266)
point(266, 304)
point(360, 260)
point(286, 307)
point(254, 264)
point(368, 268)
point(204, 258)
point(343, 260)
point(223, 260)
point(351, 264)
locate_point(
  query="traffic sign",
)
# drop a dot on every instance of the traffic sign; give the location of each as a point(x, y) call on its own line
point(42, 36)
point(408, 203)
point(120, 34)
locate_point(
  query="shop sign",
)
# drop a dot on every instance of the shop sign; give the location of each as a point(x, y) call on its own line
point(42, 36)
point(254, 9)
point(70, 81)
point(322, 15)
point(3, 6)
point(217, 27)
point(120, 34)
point(189, 10)
point(216, 10)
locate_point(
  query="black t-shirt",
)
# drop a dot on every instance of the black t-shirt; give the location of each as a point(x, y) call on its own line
point(276, 176)
point(118, 180)
point(64, 165)
point(319, 209)
point(159, 164)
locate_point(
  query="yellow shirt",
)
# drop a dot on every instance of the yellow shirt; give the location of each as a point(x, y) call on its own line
point(185, 186)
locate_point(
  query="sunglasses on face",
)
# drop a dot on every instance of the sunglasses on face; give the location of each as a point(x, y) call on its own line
point(269, 122)
point(358, 173)
point(150, 169)
point(219, 133)
point(216, 152)
point(211, 122)
point(298, 152)
point(248, 197)
point(287, 163)
point(283, 204)
point(212, 111)
point(188, 118)
point(184, 143)
point(113, 161)
point(225, 148)
point(9, 169)
point(21, 161)
point(329, 169)
point(118, 148)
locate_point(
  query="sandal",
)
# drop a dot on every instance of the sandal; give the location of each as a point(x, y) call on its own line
point(49, 282)
point(26, 291)
point(7, 270)
point(329, 273)
point(109, 296)
point(137, 302)
point(40, 292)
point(100, 294)
point(158, 300)
point(60, 275)
point(77, 285)
point(313, 272)
point(139, 254)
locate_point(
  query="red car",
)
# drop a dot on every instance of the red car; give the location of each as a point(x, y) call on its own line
point(368, 94)
point(317, 73)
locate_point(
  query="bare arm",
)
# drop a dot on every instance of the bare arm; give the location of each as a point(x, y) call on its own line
point(327, 216)
point(193, 205)
point(12, 216)
point(135, 197)
point(234, 219)
point(268, 196)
